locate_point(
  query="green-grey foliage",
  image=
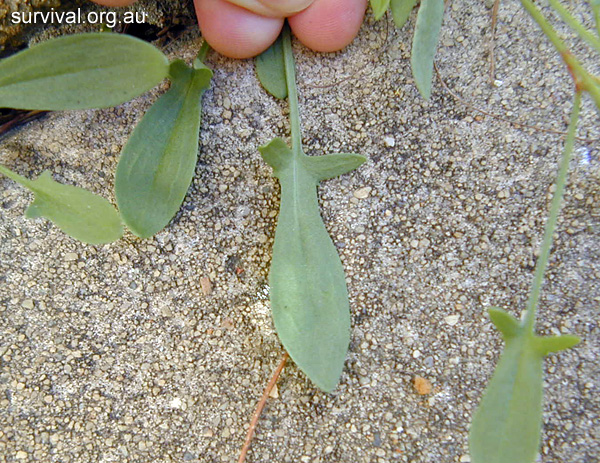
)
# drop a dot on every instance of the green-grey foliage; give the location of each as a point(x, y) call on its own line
point(424, 45)
point(308, 289)
point(270, 69)
point(401, 11)
point(379, 7)
point(82, 71)
point(157, 163)
point(506, 426)
point(308, 293)
point(78, 212)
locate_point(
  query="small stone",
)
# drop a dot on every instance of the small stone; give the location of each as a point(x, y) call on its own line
point(189, 456)
point(206, 285)
point(176, 403)
point(21, 455)
point(71, 256)
point(27, 304)
point(362, 193)
point(207, 432)
point(274, 393)
point(452, 319)
point(422, 385)
point(389, 141)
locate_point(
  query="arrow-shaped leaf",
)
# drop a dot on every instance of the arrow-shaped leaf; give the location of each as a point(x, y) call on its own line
point(309, 298)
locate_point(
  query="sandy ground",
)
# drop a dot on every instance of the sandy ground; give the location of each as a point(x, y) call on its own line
point(116, 353)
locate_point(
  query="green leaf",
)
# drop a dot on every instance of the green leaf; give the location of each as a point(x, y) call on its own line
point(309, 298)
point(157, 163)
point(77, 212)
point(425, 40)
point(270, 69)
point(96, 70)
point(379, 8)
point(506, 425)
point(401, 11)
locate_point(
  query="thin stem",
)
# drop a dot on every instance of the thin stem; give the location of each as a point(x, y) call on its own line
point(561, 180)
point(260, 406)
point(290, 77)
point(575, 25)
point(583, 80)
point(204, 49)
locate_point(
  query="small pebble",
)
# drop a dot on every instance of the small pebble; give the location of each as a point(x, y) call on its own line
point(422, 385)
point(362, 193)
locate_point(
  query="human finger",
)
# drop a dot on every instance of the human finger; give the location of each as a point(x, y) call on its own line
point(273, 8)
point(328, 25)
point(234, 31)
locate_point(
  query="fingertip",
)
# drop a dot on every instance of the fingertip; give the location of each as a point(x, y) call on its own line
point(329, 25)
point(233, 31)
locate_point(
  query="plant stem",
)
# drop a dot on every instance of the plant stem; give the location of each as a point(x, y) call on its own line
point(575, 25)
point(204, 49)
point(583, 80)
point(561, 180)
point(290, 77)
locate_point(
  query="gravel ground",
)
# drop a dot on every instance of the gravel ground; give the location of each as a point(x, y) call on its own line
point(158, 350)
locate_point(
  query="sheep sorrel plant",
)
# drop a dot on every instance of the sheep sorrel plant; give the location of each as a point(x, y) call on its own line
point(308, 293)
point(308, 289)
point(506, 427)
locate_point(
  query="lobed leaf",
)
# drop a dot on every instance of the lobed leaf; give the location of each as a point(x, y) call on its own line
point(401, 11)
point(309, 298)
point(506, 425)
point(83, 71)
point(379, 8)
point(270, 68)
point(77, 212)
point(157, 163)
point(425, 40)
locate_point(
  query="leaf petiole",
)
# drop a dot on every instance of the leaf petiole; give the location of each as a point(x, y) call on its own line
point(290, 77)
point(561, 180)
